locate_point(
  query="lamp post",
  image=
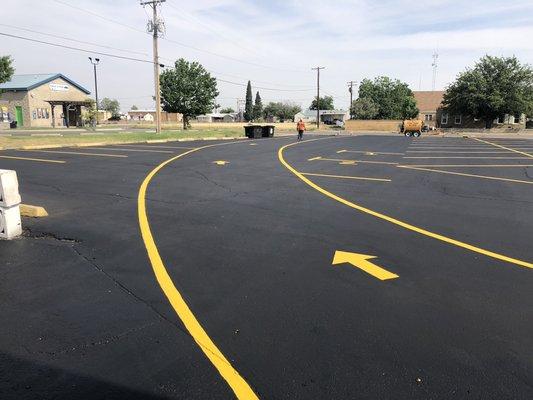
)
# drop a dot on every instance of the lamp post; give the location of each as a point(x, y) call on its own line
point(95, 62)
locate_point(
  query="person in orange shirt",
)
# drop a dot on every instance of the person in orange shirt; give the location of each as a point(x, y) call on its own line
point(300, 127)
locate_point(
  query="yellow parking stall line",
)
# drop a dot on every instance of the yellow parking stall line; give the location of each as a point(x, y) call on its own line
point(506, 148)
point(467, 175)
point(351, 161)
point(347, 177)
point(456, 152)
point(34, 159)
point(395, 221)
point(471, 165)
point(469, 158)
point(77, 153)
point(369, 152)
point(134, 150)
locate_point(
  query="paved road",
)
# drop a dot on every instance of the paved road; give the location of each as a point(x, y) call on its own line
point(241, 238)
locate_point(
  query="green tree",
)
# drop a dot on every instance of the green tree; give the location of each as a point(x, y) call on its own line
point(227, 110)
point(188, 89)
point(134, 107)
point(258, 107)
point(494, 87)
point(249, 106)
point(325, 103)
point(111, 105)
point(364, 108)
point(89, 113)
point(6, 68)
point(393, 98)
point(282, 110)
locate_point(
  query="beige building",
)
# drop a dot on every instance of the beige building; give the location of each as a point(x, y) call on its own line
point(149, 116)
point(42, 100)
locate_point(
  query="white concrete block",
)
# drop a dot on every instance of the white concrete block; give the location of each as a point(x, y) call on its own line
point(9, 188)
point(10, 225)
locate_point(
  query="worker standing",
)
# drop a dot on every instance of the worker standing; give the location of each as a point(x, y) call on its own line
point(300, 127)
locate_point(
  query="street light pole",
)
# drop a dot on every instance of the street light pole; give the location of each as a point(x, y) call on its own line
point(95, 62)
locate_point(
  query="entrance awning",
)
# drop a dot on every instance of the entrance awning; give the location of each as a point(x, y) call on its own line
point(69, 102)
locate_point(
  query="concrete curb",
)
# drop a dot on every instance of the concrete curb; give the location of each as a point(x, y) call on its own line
point(27, 210)
point(152, 141)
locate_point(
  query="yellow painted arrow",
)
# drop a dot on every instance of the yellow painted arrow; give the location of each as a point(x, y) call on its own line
point(220, 162)
point(361, 261)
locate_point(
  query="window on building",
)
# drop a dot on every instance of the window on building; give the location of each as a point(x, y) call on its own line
point(501, 119)
point(517, 119)
point(444, 119)
point(429, 117)
point(458, 119)
point(41, 113)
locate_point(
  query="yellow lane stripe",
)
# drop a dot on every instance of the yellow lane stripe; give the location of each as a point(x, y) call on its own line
point(396, 221)
point(351, 161)
point(34, 159)
point(467, 175)
point(77, 153)
point(471, 165)
point(471, 158)
point(369, 152)
point(506, 148)
point(347, 177)
point(157, 147)
point(239, 386)
point(134, 150)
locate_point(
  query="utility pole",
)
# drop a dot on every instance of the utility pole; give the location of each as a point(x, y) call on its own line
point(95, 62)
point(434, 65)
point(156, 26)
point(318, 95)
point(350, 89)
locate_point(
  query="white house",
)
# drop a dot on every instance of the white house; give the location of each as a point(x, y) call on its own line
point(328, 117)
point(217, 117)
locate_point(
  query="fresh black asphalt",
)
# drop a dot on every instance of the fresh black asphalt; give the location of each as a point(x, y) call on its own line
point(250, 246)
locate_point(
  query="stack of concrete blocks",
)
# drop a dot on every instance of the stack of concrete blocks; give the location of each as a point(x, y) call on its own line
point(10, 225)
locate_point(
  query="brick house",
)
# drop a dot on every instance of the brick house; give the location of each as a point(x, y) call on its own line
point(428, 102)
point(433, 114)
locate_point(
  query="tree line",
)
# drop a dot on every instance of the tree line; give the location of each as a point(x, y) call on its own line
point(493, 87)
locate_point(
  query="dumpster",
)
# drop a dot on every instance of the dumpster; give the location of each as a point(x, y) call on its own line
point(253, 131)
point(268, 130)
point(13, 125)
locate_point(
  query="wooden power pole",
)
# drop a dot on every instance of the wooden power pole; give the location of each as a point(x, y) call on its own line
point(156, 26)
point(318, 95)
point(350, 89)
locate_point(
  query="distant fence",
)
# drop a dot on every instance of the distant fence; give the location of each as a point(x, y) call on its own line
point(390, 125)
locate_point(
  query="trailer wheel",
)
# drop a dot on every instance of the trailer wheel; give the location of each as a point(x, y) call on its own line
point(407, 134)
point(416, 134)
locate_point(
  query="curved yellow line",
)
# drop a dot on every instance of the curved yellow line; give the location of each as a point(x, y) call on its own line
point(395, 221)
point(237, 383)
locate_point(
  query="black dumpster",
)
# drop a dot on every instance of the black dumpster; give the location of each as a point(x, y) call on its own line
point(13, 125)
point(253, 131)
point(268, 130)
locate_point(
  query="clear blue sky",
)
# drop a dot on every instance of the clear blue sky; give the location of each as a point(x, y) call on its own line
point(352, 39)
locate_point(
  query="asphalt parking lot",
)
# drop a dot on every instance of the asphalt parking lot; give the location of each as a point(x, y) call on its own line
point(345, 267)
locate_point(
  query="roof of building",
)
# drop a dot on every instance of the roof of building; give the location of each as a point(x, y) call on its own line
point(429, 100)
point(31, 81)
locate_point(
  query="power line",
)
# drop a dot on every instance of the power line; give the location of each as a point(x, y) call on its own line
point(73, 40)
point(265, 88)
point(76, 48)
point(206, 26)
point(177, 42)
